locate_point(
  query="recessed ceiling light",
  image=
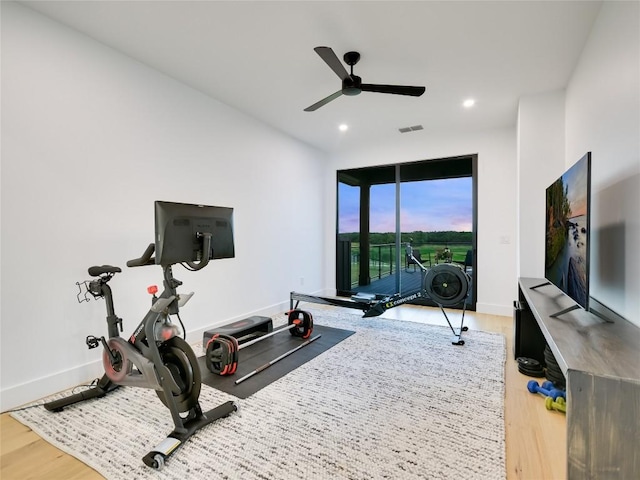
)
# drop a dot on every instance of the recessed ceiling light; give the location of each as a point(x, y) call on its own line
point(469, 102)
point(343, 127)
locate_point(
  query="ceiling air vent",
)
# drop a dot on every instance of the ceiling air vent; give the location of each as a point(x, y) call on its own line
point(411, 129)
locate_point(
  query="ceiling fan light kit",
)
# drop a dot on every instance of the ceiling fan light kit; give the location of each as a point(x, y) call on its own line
point(352, 84)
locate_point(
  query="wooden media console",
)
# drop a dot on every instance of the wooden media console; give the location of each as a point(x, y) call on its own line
point(601, 363)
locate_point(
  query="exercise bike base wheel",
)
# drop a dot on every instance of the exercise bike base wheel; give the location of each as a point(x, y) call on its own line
point(158, 462)
point(179, 358)
point(157, 457)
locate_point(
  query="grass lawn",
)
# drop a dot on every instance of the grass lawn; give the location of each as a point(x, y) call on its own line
point(383, 257)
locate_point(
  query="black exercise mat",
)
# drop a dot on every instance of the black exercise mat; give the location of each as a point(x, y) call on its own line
point(268, 349)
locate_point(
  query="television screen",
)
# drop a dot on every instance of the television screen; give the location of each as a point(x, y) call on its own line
point(567, 231)
point(179, 229)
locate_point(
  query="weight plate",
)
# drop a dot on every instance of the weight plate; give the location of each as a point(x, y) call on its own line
point(533, 373)
point(524, 368)
point(219, 355)
point(550, 362)
point(234, 357)
point(528, 362)
point(557, 379)
point(231, 360)
point(304, 322)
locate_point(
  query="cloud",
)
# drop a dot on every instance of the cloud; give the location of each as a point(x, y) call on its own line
point(431, 205)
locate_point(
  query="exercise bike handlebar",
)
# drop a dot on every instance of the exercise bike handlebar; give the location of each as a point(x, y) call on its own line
point(147, 257)
point(206, 248)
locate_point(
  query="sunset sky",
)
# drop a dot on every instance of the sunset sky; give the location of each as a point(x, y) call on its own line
point(576, 179)
point(429, 206)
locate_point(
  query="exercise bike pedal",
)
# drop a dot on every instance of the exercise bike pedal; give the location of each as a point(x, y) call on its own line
point(92, 342)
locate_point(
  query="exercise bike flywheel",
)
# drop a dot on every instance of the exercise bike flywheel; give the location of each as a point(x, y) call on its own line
point(179, 358)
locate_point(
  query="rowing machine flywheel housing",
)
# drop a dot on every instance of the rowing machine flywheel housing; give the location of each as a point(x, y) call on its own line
point(447, 284)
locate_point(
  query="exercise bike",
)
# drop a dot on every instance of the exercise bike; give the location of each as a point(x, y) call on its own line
point(154, 356)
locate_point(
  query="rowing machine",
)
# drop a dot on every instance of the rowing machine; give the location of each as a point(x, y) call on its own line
point(447, 284)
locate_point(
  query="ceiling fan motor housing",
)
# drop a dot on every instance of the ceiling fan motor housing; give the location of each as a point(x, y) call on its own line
point(351, 85)
point(351, 58)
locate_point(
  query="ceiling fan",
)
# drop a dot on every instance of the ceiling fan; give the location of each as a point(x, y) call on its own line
point(352, 84)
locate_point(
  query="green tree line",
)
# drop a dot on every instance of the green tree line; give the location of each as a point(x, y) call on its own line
point(415, 238)
point(558, 212)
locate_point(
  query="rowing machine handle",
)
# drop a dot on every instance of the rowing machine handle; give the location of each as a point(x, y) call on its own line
point(146, 258)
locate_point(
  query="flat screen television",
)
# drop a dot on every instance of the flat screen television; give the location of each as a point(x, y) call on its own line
point(568, 230)
point(180, 228)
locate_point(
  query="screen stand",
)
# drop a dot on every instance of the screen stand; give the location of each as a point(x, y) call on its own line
point(568, 309)
point(601, 316)
point(539, 285)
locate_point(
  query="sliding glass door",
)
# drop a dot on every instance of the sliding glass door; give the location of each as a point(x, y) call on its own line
point(428, 205)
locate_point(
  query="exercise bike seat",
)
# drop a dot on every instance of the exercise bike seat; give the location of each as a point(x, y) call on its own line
point(97, 271)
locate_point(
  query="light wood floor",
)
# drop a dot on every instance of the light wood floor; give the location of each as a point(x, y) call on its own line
point(535, 437)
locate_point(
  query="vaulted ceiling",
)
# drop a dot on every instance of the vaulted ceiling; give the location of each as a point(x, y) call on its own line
point(258, 57)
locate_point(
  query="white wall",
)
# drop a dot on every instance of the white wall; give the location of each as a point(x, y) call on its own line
point(90, 138)
point(599, 113)
point(603, 116)
point(540, 161)
point(496, 149)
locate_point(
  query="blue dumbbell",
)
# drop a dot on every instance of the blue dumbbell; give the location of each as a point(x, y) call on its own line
point(533, 387)
point(548, 385)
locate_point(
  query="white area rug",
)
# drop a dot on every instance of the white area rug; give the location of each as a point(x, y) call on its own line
point(394, 401)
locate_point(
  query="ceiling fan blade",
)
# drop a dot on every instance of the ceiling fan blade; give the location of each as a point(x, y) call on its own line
point(324, 101)
point(394, 89)
point(330, 58)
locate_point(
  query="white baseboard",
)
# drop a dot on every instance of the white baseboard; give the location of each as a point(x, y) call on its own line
point(505, 311)
point(195, 336)
point(34, 390)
